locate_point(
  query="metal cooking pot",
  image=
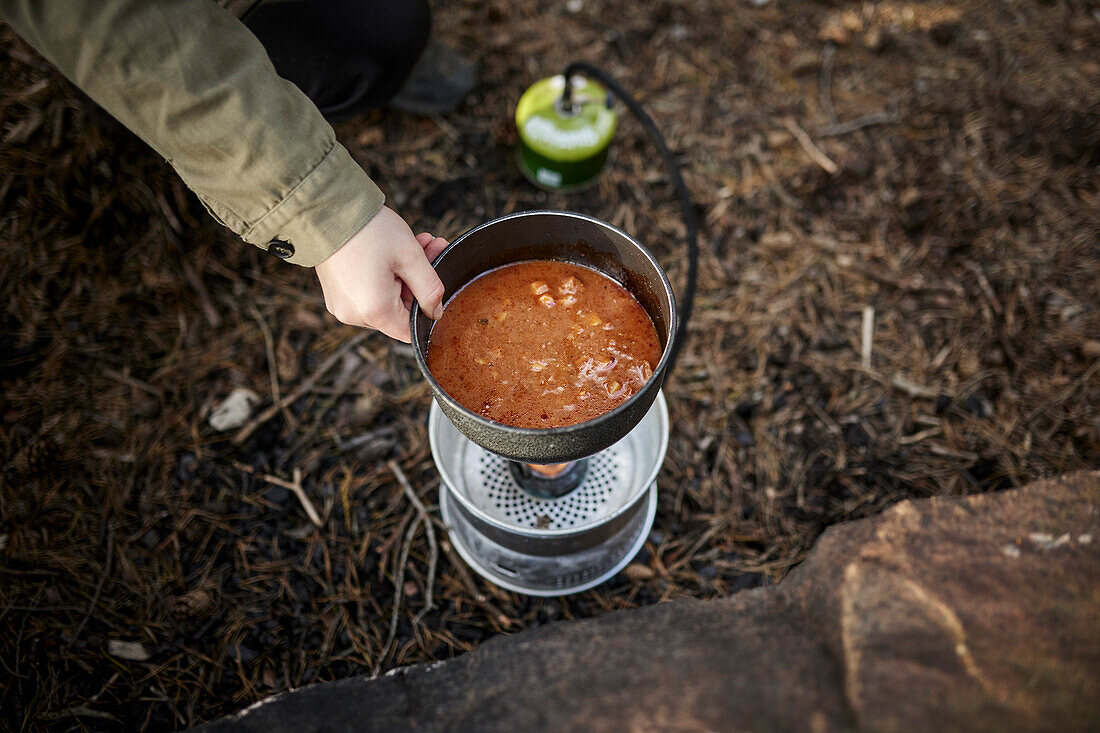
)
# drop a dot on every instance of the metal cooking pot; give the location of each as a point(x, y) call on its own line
point(568, 237)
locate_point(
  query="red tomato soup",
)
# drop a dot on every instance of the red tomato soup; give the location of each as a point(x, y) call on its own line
point(542, 344)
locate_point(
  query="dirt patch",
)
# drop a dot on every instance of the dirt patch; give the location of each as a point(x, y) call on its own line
point(959, 232)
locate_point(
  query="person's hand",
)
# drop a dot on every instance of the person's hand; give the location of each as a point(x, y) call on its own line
point(372, 280)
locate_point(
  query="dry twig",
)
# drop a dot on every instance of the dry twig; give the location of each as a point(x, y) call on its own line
point(295, 487)
point(433, 548)
point(398, 591)
point(911, 388)
point(107, 566)
point(302, 389)
point(272, 365)
point(875, 118)
point(826, 83)
point(816, 154)
point(867, 337)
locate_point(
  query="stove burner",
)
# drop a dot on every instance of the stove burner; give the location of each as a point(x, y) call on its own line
point(490, 482)
point(549, 482)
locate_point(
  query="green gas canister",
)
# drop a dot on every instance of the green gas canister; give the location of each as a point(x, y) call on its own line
point(563, 146)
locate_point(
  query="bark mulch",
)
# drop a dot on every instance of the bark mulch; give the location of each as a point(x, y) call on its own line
point(899, 296)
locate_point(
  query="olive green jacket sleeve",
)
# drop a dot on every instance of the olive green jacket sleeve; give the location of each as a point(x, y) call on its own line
point(189, 79)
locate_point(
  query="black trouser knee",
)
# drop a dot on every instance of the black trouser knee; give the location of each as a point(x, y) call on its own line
point(348, 56)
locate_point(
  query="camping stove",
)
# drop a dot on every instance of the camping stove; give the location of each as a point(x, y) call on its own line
point(548, 535)
point(556, 510)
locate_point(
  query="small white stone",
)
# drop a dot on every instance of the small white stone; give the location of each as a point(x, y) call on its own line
point(574, 6)
point(1082, 539)
point(1011, 550)
point(1045, 541)
point(234, 410)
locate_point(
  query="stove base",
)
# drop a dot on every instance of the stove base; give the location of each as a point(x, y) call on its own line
point(541, 575)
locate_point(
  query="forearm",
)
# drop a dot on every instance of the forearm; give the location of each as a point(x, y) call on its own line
point(195, 84)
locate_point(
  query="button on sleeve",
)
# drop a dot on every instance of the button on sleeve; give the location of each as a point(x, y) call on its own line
point(279, 248)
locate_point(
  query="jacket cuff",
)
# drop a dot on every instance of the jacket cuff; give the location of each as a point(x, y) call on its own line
point(320, 214)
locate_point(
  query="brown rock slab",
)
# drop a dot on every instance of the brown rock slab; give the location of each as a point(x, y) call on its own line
point(948, 614)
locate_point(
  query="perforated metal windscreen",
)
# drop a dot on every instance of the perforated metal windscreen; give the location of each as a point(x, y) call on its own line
point(489, 483)
point(615, 479)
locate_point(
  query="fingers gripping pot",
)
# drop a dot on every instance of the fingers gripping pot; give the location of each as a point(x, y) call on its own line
point(566, 237)
point(531, 541)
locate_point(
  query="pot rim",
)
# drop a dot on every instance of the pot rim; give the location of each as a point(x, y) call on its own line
point(548, 433)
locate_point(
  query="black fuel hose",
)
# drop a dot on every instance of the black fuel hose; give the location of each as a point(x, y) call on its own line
point(691, 227)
